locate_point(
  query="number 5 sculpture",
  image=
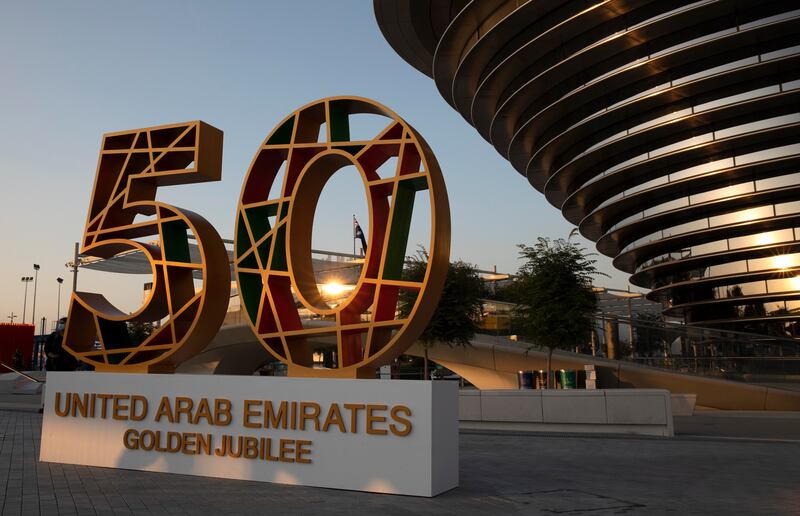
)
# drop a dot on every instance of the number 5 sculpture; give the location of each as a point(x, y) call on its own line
point(131, 167)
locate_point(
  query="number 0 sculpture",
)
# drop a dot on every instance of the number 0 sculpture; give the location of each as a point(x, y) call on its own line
point(273, 238)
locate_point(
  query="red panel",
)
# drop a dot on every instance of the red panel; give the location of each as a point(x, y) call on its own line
point(13, 337)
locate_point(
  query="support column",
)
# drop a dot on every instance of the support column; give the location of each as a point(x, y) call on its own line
point(612, 336)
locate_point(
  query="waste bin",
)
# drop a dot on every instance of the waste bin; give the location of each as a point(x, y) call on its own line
point(525, 379)
point(540, 379)
point(569, 379)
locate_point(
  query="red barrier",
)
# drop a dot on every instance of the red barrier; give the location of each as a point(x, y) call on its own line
point(13, 337)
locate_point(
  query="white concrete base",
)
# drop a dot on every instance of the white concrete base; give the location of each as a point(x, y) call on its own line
point(396, 437)
point(630, 411)
point(683, 404)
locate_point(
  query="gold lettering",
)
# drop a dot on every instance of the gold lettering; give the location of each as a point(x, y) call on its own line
point(249, 412)
point(119, 407)
point(406, 424)
point(204, 444)
point(372, 419)
point(79, 404)
point(313, 415)
point(131, 439)
point(354, 408)
point(59, 411)
point(189, 444)
point(183, 405)
point(174, 442)
point(151, 440)
point(293, 416)
point(250, 448)
point(104, 404)
point(222, 412)
point(286, 450)
point(203, 411)
point(273, 419)
point(269, 451)
point(334, 417)
point(303, 448)
point(138, 407)
point(165, 409)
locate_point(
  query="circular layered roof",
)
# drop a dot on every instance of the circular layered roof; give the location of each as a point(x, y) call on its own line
point(667, 131)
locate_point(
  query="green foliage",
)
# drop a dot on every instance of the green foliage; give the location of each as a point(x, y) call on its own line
point(650, 336)
point(553, 292)
point(456, 317)
point(504, 292)
point(139, 331)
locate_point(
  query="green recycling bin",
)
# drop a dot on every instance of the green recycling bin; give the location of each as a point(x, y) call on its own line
point(569, 379)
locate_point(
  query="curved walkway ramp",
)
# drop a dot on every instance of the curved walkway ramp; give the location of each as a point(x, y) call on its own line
point(493, 363)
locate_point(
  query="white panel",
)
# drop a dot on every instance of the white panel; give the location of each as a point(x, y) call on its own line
point(345, 460)
point(637, 406)
point(469, 405)
point(524, 406)
point(574, 406)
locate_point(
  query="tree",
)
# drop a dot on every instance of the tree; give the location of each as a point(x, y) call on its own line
point(138, 331)
point(650, 334)
point(553, 292)
point(456, 317)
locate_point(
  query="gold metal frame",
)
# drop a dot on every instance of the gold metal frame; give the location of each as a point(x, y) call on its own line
point(273, 238)
point(131, 167)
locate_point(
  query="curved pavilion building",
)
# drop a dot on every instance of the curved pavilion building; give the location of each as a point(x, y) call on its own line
point(667, 131)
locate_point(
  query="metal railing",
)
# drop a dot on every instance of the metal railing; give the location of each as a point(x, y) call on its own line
point(14, 370)
point(705, 351)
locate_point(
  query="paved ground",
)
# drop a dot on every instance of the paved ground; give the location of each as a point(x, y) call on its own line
point(500, 474)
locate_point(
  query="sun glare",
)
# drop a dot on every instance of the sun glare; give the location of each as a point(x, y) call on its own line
point(334, 288)
point(783, 261)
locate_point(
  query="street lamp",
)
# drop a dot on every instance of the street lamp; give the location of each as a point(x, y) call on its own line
point(26, 280)
point(35, 282)
point(58, 307)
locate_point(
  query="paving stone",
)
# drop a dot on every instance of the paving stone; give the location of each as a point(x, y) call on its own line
point(501, 473)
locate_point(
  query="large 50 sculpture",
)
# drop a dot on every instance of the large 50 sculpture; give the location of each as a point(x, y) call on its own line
point(272, 254)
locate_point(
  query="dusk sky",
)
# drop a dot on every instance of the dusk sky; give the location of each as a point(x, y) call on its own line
point(73, 71)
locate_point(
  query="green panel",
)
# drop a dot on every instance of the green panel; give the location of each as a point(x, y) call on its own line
point(416, 183)
point(116, 358)
point(279, 254)
point(250, 291)
point(250, 262)
point(258, 218)
point(283, 135)
point(284, 210)
point(400, 225)
point(263, 250)
point(243, 242)
point(176, 244)
point(340, 123)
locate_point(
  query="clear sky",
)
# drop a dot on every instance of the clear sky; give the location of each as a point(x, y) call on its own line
point(74, 70)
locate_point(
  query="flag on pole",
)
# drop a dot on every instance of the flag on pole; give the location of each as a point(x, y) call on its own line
point(358, 233)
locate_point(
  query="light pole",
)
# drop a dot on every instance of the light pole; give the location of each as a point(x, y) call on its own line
point(58, 307)
point(12, 316)
point(26, 280)
point(35, 282)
